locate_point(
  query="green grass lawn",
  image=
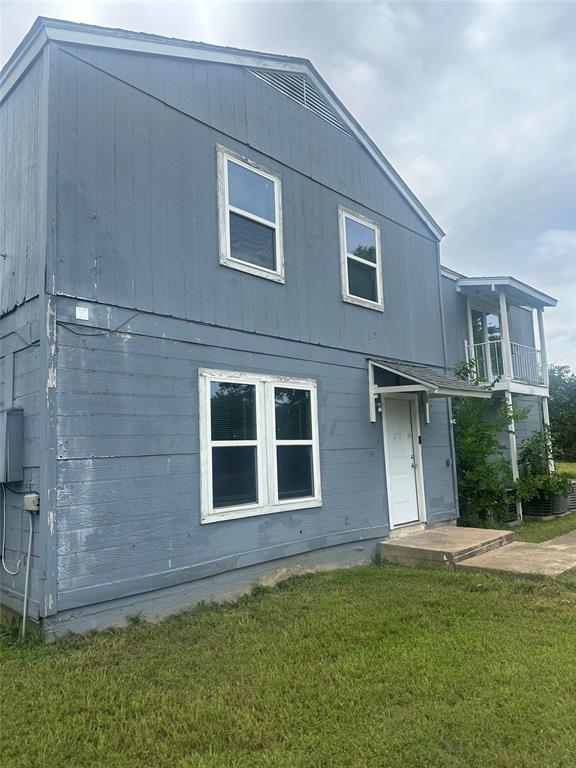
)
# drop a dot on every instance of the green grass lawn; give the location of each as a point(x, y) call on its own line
point(373, 667)
point(567, 466)
point(541, 530)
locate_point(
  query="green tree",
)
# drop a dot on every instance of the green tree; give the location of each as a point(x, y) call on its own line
point(563, 411)
point(485, 483)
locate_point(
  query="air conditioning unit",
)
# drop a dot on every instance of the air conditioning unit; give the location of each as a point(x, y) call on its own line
point(11, 439)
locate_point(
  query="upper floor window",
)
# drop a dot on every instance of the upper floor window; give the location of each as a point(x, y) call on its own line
point(259, 445)
point(250, 217)
point(361, 261)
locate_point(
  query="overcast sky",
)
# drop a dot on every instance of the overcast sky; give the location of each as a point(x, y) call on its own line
point(474, 103)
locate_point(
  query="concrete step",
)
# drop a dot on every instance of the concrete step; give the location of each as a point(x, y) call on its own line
point(550, 558)
point(441, 546)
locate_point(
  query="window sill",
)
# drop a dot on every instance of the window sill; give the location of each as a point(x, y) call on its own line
point(366, 303)
point(252, 269)
point(239, 512)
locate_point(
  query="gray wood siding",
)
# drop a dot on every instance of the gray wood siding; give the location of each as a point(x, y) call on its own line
point(437, 461)
point(128, 514)
point(23, 201)
point(137, 206)
point(20, 388)
point(534, 421)
point(521, 326)
point(456, 322)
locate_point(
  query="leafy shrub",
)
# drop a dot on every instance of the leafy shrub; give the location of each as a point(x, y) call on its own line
point(536, 480)
point(485, 483)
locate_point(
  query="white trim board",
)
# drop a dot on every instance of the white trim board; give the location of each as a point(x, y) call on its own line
point(507, 282)
point(104, 37)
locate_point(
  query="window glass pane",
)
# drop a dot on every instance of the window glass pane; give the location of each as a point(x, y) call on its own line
point(493, 326)
point(292, 408)
point(251, 192)
point(294, 471)
point(233, 411)
point(252, 242)
point(478, 326)
point(362, 280)
point(234, 476)
point(360, 240)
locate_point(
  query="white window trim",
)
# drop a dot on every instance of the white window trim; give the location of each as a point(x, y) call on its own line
point(224, 210)
point(343, 214)
point(266, 446)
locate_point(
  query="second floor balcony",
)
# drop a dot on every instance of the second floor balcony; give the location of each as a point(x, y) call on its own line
point(488, 362)
point(506, 343)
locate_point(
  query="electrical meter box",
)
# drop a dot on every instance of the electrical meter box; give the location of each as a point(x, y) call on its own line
point(11, 438)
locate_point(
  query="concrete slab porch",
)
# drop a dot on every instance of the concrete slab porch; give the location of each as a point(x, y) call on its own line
point(441, 546)
point(549, 558)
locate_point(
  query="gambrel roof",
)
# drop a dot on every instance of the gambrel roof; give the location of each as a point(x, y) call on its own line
point(295, 77)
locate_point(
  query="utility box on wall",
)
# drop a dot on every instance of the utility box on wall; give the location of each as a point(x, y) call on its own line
point(11, 438)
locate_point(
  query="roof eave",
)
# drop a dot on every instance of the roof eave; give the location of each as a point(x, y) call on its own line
point(432, 388)
point(26, 52)
point(531, 293)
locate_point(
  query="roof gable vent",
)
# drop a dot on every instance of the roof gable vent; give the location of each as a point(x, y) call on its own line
point(301, 89)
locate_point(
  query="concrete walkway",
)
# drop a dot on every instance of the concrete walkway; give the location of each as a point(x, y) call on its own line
point(549, 558)
point(481, 550)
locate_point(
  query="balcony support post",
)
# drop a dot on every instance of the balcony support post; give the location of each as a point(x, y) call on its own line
point(546, 421)
point(505, 330)
point(513, 449)
point(543, 355)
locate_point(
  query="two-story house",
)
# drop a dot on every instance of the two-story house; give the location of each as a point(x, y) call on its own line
point(222, 325)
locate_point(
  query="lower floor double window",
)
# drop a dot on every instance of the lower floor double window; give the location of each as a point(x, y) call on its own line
point(259, 444)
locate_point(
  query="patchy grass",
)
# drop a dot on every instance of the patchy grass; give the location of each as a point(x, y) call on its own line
point(376, 666)
point(541, 530)
point(567, 466)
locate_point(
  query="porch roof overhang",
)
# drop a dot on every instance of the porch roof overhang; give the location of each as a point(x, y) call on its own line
point(515, 290)
point(421, 378)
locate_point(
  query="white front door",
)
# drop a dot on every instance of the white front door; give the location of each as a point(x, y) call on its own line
point(400, 460)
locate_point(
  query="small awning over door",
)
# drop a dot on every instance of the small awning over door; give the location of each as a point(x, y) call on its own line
point(401, 378)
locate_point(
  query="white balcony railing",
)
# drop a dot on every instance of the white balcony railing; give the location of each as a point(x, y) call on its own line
point(487, 359)
point(526, 364)
point(489, 365)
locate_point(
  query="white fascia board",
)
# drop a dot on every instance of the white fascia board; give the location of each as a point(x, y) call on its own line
point(451, 274)
point(20, 61)
point(507, 281)
point(449, 392)
point(103, 38)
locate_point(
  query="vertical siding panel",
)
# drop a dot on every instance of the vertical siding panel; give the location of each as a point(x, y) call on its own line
point(107, 243)
point(66, 198)
point(142, 223)
point(86, 219)
point(22, 201)
point(33, 242)
point(124, 261)
point(158, 182)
